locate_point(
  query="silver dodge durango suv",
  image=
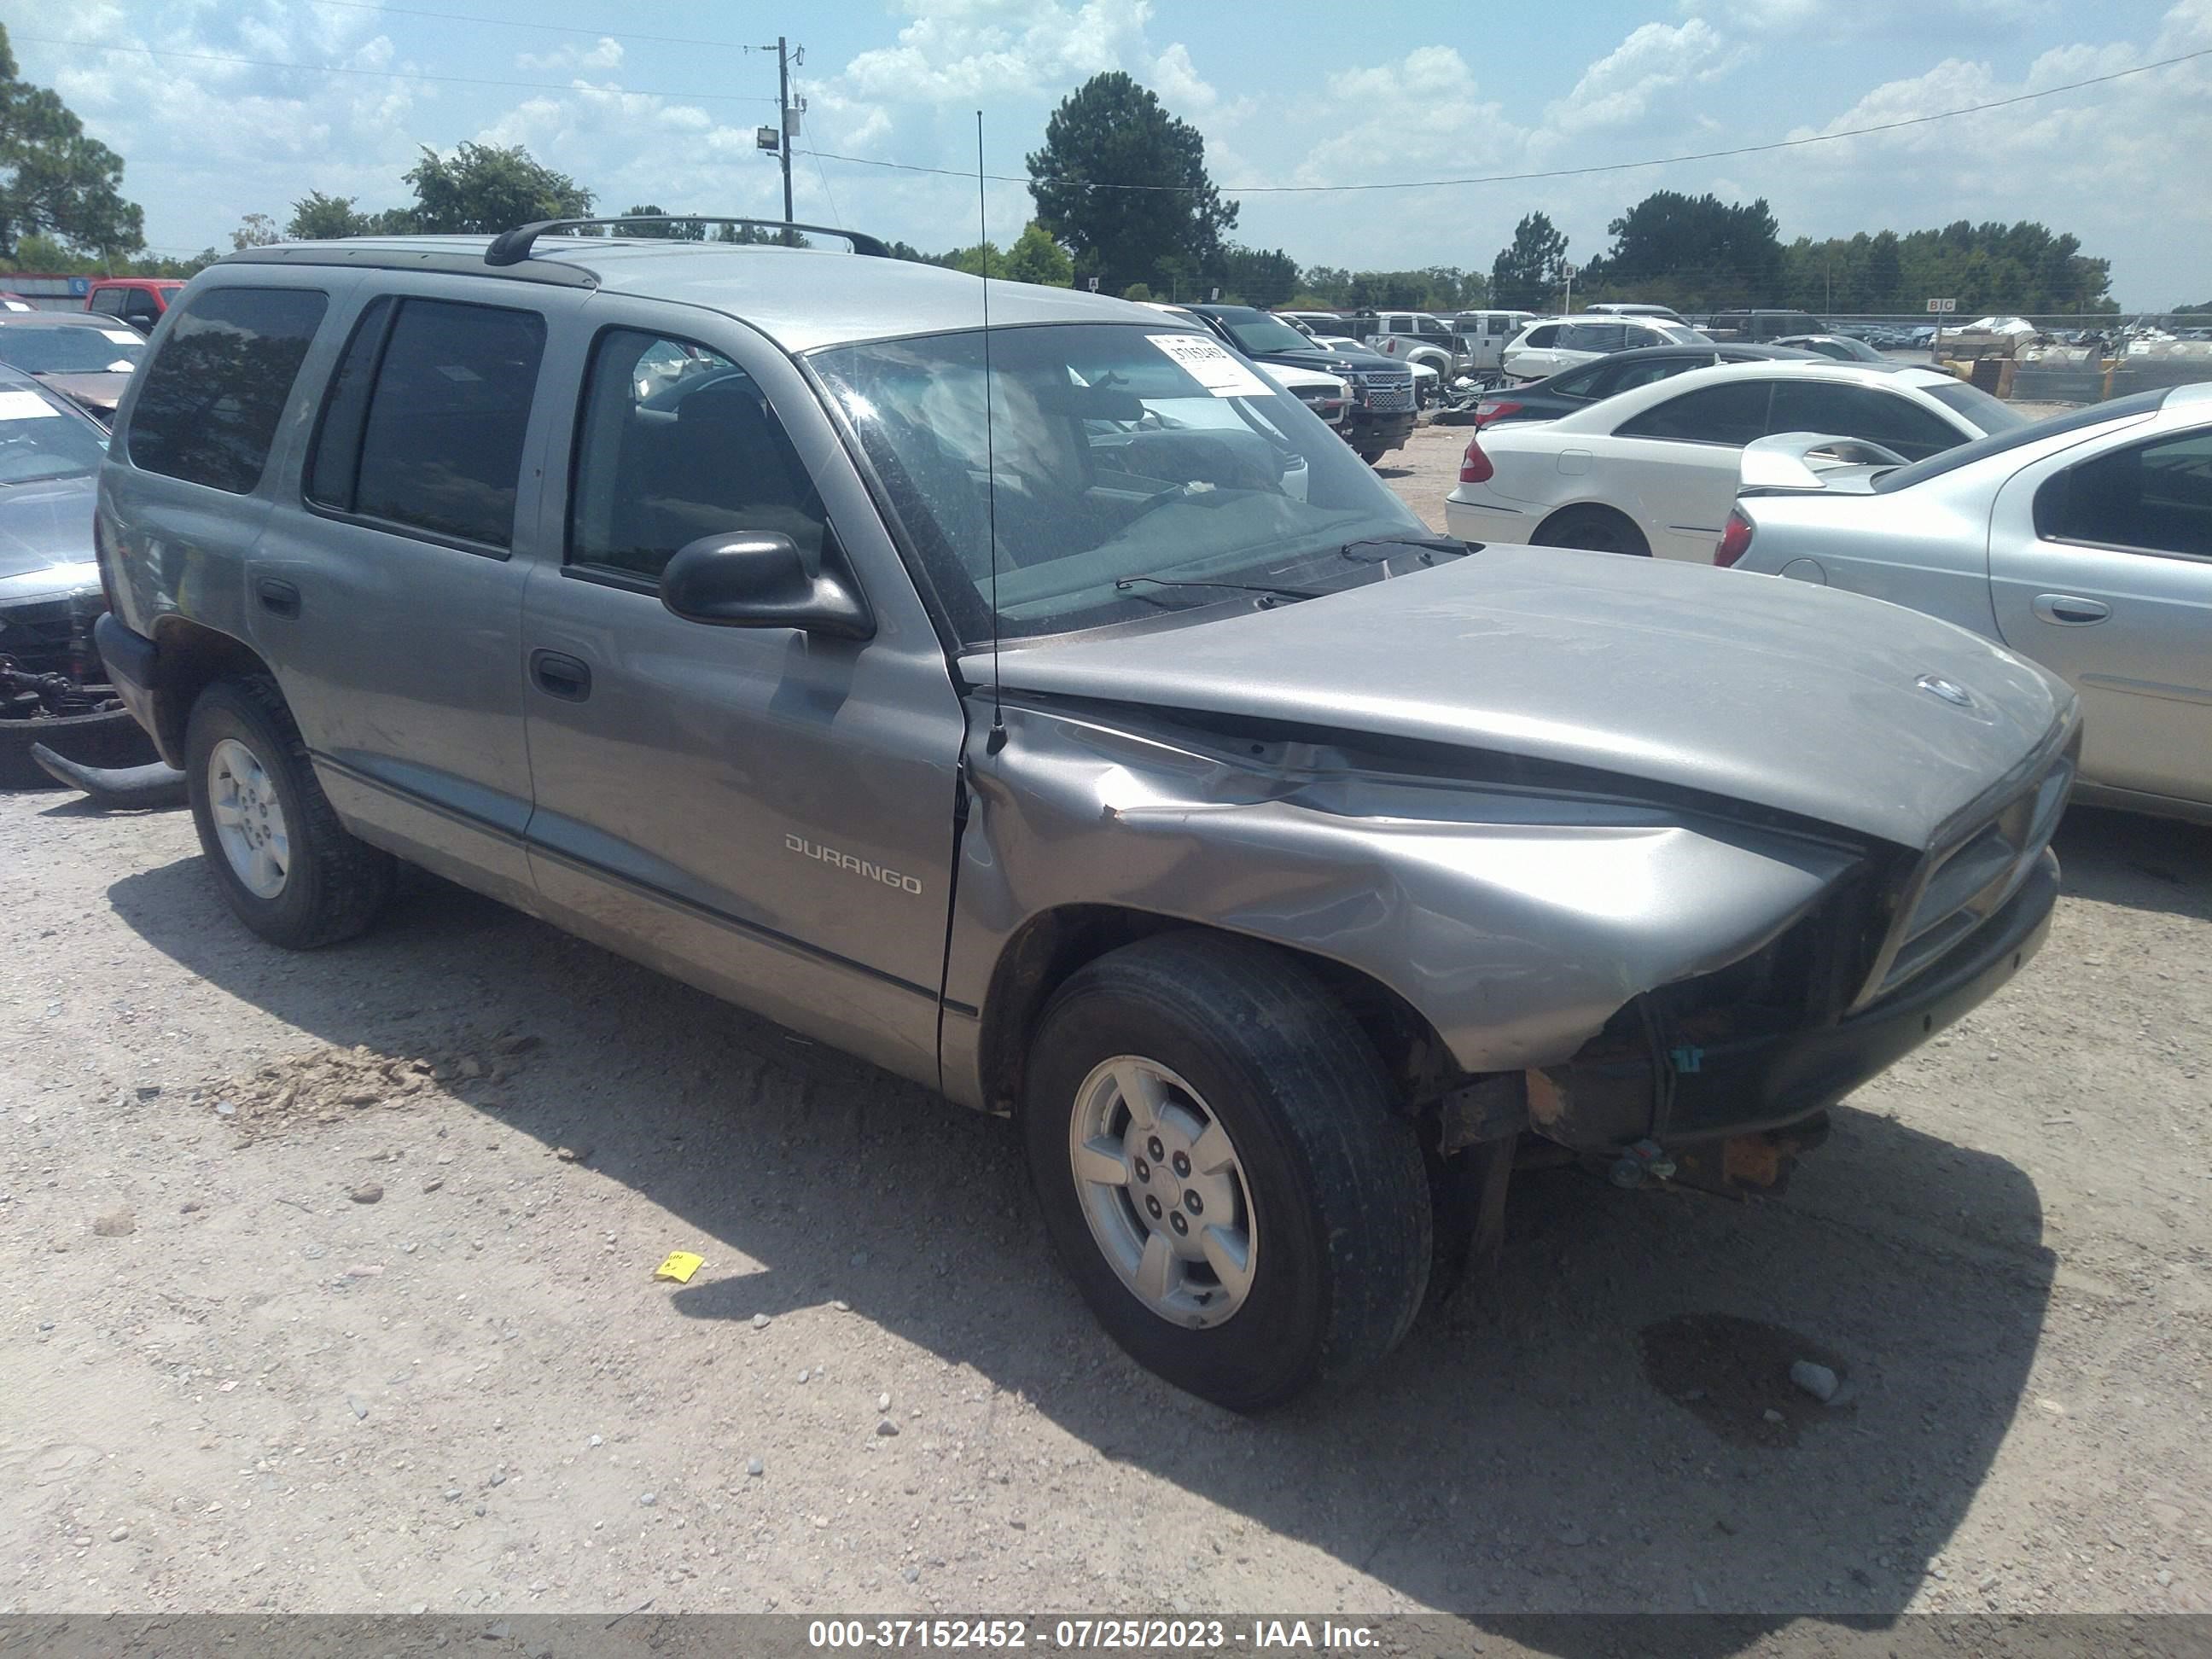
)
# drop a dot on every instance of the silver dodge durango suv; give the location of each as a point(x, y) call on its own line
point(989, 704)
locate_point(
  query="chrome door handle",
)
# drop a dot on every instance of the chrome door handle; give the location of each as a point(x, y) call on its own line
point(2065, 609)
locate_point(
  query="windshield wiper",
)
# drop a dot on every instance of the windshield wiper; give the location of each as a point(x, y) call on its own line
point(1428, 545)
point(1268, 595)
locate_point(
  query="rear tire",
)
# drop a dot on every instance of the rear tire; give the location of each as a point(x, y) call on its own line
point(284, 863)
point(1599, 529)
point(1273, 1108)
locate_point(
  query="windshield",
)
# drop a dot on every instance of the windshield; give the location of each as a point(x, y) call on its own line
point(1676, 333)
point(1256, 332)
point(65, 350)
point(38, 441)
point(1120, 453)
point(1977, 406)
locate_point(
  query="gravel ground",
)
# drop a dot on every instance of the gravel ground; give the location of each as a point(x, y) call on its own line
point(385, 1333)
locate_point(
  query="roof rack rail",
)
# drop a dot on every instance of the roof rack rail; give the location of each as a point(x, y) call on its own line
point(512, 247)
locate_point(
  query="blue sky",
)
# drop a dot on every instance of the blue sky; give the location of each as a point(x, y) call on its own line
point(1286, 94)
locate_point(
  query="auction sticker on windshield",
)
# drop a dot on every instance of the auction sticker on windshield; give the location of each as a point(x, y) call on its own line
point(1211, 366)
point(26, 406)
point(124, 337)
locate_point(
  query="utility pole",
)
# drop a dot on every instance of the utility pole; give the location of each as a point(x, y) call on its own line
point(783, 126)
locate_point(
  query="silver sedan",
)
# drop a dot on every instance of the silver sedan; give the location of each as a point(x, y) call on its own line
point(2083, 542)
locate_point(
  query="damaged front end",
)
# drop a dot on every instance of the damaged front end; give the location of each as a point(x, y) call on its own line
point(1674, 987)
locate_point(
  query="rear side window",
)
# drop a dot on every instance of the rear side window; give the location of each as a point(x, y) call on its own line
point(1732, 413)
point(109, 301)
point(1540, 338)
point(1593, 337)
point(2154, 496)
point(425, 422)
point(210, 400)
point(676, 443)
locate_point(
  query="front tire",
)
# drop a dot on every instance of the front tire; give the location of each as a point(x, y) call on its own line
point(287, 866)
point(1215, 1149)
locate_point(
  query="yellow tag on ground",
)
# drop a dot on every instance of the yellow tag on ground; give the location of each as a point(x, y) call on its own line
point(679, 1267)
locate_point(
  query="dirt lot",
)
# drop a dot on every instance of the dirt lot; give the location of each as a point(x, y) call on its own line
point(366, 1335)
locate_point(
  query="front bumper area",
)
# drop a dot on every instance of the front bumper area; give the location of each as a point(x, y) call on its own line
point(1604, 1100)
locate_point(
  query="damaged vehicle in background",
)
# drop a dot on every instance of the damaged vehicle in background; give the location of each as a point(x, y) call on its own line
point(52, 689)
point(1288, 873)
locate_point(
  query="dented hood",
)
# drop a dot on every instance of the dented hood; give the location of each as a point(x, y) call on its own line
point(1749, 688)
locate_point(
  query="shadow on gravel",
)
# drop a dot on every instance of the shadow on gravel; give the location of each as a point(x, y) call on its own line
point(2145, 864)
point(1586, 1432)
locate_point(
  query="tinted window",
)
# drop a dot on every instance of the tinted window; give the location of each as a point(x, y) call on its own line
point(108, 300)
point(1582, 382)
point(1858, 411)
point(140, 306)
point(1540, 338)
point(1731, 414)
point(2157, 496)
point(676, 443)
point(209, 399)
point(1622, 376)
point(1593, 337)
point(1977, 406)
point(440, 432)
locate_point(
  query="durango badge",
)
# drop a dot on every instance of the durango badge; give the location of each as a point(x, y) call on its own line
point(858, 867)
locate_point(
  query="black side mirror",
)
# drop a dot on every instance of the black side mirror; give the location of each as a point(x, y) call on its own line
point(760, 580)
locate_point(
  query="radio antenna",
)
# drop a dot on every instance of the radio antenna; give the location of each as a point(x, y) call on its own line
point(997, 740)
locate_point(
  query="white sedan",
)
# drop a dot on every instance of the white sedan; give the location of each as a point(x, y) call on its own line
point(1653, 470)
point(2084, 542)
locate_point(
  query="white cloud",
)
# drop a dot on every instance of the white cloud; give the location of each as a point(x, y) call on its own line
point(1655, 61)
point(1189, 94)
point(1881, 19)
point(966, 50)
point(604, 54)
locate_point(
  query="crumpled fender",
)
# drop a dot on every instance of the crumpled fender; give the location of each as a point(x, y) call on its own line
point(1514, 922)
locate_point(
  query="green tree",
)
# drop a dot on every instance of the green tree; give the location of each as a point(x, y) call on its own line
point(1727, 252)
point(486, 188)
point(974, 260)
point(255, 230)
point(54, 180)
point(1529, 267)
point(1258, 278)
point(317, 218)
point(1138, 291)
point(670, 230)
point(1036, 257)
point(1110, 134)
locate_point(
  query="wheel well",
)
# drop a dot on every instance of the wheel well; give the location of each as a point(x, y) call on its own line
point(1050, 949)
point(1595, 509)
point(191, 658)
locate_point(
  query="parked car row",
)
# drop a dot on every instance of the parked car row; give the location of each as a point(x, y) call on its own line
point(2084, 541)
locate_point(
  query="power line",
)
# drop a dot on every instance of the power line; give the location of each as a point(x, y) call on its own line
point(556, 28)
point(393, 75)
point(1556, 173)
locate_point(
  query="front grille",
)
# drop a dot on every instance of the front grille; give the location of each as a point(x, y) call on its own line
point(1383, 397)
point(40, 633)
point(1963, 884)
